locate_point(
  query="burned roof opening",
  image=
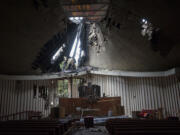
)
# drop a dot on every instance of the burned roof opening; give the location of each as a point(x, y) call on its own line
point(27, 26)
point(57, 51)
point(76, 20)
point(76, 47)
point(49, 55)
point(68, 50)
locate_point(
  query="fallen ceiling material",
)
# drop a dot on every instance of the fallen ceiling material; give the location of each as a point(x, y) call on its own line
point(67, 52)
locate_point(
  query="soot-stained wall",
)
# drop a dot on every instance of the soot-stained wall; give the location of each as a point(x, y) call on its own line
point(15, 99)
point(139, 93)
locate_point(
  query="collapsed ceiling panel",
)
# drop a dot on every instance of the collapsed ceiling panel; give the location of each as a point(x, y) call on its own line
point(86, 7)
point(87, 14)
point(94, 10)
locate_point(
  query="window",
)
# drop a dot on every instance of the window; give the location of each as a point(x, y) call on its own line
point(63, 88)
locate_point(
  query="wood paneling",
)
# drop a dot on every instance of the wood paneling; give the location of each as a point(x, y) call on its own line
point(15, 99)
point(139, 93)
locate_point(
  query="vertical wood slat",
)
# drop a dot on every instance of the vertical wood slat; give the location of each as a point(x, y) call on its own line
point(13, 100)
point(1, 91)
point(2, 97)
point(142, 93)
point(177, 95)
point(136, 94)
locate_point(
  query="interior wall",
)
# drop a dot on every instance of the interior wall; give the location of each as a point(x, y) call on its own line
point(142, 93)
point(76, 84)
point(15, 99)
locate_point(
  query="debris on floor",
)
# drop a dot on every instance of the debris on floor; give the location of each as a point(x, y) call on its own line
point(98, 130)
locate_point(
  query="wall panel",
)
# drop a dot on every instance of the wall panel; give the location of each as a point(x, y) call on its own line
point(15, 99)
point(142, 93)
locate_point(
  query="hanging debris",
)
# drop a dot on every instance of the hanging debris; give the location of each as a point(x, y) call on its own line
point(96, 38)
point(147, 29)
point(152, 33)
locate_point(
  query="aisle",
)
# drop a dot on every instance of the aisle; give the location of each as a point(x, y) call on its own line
point(98, 130)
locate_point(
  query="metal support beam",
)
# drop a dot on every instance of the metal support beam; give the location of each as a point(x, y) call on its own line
point(77, 4)
point(86, 10)
point(86, 16)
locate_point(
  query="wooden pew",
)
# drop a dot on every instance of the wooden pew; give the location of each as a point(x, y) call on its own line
point(21, 133)
point(120, 127)
point(49, 131)
point(33, 127)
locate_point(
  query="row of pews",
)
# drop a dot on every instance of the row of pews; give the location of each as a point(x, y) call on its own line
point(34, 127)
point(142, 127)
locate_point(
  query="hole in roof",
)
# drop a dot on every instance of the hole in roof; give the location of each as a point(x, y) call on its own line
point(58, 53)
point(144, 21)
point(76, 47)
point(147, 28)
point(150, 32)
point(76, 20)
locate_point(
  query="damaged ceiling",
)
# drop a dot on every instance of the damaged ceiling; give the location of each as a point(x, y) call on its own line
point(92, 10)
point(26, 26)
point(128, 50)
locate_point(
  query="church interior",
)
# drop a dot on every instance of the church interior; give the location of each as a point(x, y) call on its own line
point(89, 67)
